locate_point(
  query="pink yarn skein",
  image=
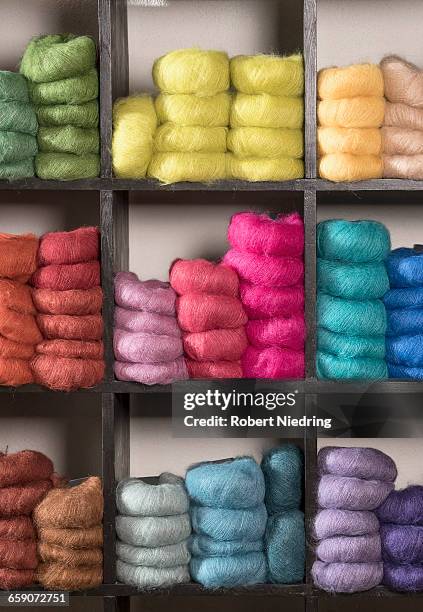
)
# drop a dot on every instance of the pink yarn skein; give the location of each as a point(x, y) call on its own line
point(286, 332)
point(148, 322)
point(266, 270)
point(150, 296)
point(138, 347)
point(266, 302)
point(273, 362)
point(152, 373)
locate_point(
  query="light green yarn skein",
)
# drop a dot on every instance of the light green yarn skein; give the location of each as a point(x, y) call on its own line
point(78, 115)
point(68, 139)
point(16, 146)
point(58, 56)
point(74, 90)
point(17, 170)
point(13, 87)
point(66, 166)
point(18, 117)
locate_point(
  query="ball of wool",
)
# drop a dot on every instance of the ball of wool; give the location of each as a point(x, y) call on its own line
point(85, 537)
point(236, 570)
point(16, 529)
point(68, 139)
point(270, 74)
point(62, 277)
point(286, 332)
point(134, 497)
point(347, 549)
point(139, 347)
point(18, 555)
point(283, 474)
point(358, 112)
point(405, 267)
point(352, 241)
point(402, 544)
point(24, 466)
point(237, 483)
point(134, 124)
point(18, 256)
point(347, 577)
point(404, 297)
point(53, 553)
point(350, 81)
point(343, 345)
point(266, 142)
point(228, 523)
point(18, 117)
point(160, 557)
point(403, 81)
point(356, 317)
point(153, 531)
point(357, 141)
point(266, 111)
point(147, 322)
point(14, 579)
point(17, 170)
point(58, 56)
point(76, 246)
point(352, 281)
point(66, 327)
point(273, 362)
point(343, 167)
point(66, 373)
point(405, 350)
point(71, 302)
point(79, 115)
point(403, 507)
point(267, 302)
point(22, 499)
point(17, 146)
point(192, 167)
point(202, 276)
point(9, 349)
point(216, 344)
point(187, 109)
point(143, 577)
point(359, 462)
point(404, 372)
point(150, 296)
point(348, 493)
point(203, 546)
point(72, 348)
point(199, 312)
point(259, 233)
point(334, 522)
point(152, 374)
point(403, 116)
point(401, 141)
point(403, 166)
point(15, 372)
point(66, 166)
point(57, 576)
point(404, 321)
point(19, 327)
point(265, 270)
point(13, 87)
point(285, 547)
point(72, 90)
point(72, 507)
point(172, 138)
point(16, 296)
point(403, 577)
point(213, 369)
point(192, 71)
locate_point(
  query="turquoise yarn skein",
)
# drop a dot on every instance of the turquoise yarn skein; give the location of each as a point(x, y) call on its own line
point(203, 546)
point(224, 524)
point(283, 473)
point(348, 347)
point(352, 281)
point(285, 547)
point(235, 570)
point(359, 368)
point(366, 317)
point(352, 241)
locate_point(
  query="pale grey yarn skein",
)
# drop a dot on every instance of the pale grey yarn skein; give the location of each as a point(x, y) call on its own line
point(135, 497)
point(159, 557)
point(152, 531)
point(142, 577)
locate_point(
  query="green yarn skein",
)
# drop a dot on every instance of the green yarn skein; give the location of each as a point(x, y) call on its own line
point(16, 146)
point(68, 139)
point(18, 117)
point(17, 170)
point(66, 166)
point(13, 87)
point(78, 115)
point(58, 56)
point(74, 90)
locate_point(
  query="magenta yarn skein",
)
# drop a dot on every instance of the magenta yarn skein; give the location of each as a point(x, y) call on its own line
point(347, 577)
point(148, 322)
point(286, 332)
point(199, 312)
point(367, 463)
point(350, 549)
point(272, 362)
point(152, 373)
point(403, 507)
point(267, 302)
point(402, 543)
point(150, 296)
point(335, 522)
point(139, 347)
point(266, 270)
point(349, 493)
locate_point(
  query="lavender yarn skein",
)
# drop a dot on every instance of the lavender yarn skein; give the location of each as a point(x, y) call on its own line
point(147, 322)
point(402, 544)
point(403, 577)
point(366, 463)
point(347, 577)
point(403, 507)
point(352, 493)
point(355, 549)
point(146, 348)
point(334, 522)
point(152, 373)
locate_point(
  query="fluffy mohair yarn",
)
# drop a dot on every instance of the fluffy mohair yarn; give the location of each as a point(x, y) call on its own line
point(347, 577)
point(344, 345)
point(403, 81)
point(134, 497)
point(404, 297)
point(152, 373)
point(72, 348)
point(286, 332)
point(13, 87)
point(67, 166)
point(352, 281)
point(72, 90)
point(15, 372)
point(66, 373)
point(78, 538)
point(62, 277)
point(359, 112)
point(13, 579)
point(283, 474)
point(77, 246)
point(273, 362)
point(149, 296)
point(192, 71)
point(403, 167)
point(265, 270)
point(335, 522)
point(19, 327)
point(399, 142)
point(72, 327)
point(355, 141)
point(150, 577)
point(214, 369)
point(257, 169)
point(360, 241)
point(22, 499)
point(16, 146)
point(403, 577)
point(405, 350)
point(285, 547)
point(202, 276)
point(17, 170)
point(63, 577)
point(147, 322)
point(237, 483)
point(225, 523)
point(402, 544)
point(236, 570)
point(24, 467)
point(350, 493)
point(159, 557)
point(266, 111)
point(173, 138)
point(275, 143)
point(268, 74)
point(357, 368)
point(403, 116)
point(16, 296)
point(139, 347)
point(403, 507)
point(344, 167)
point(71, 557)
point(350, 82)
point(16, 529)
point(267, 302)
point(357, 317)
point(216, 344)
point(68, 139)
point(203, 546)
point(153, 531)
point(22, 555)
point(191, 167)
point(18, 256)
point(346, 549)
point(18, 117)
point(78, 115)
point(201, 312)
point(405, 268)
point(359, 462)
point(186, 109)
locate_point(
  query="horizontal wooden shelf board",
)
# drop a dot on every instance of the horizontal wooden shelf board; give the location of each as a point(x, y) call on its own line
point(276, 590)
point(377, 592)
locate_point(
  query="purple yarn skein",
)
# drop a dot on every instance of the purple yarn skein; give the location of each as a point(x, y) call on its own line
point(347, 577)
point(350, 549)
point(334, 522)
point(352, 493)
point(367, 463)
point(402, 544)
point(403, 507)
point(403, 577)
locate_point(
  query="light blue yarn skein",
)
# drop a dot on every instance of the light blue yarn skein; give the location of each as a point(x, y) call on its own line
point(230, 571)
point(227, 524)
point(203, 546)
point(283, 473)
point(405, 297)
point(352, 281)
point(405, 350)
point(367, 317)
point(359, 368)
point(343, 345)
point(235, 484)
point(285, 547)
point(405, 268)
point(352, 241)
point(403, 321)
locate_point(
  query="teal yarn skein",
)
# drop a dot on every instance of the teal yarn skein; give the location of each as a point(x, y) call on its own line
point(358, 368)
point(18, 117)
point(223, 524)
point(68, 139)
point(366, 317)
point(203, 546)
point(236, 570)
point(17, 146)
point(285, 547)
point(13, 87)
point(283, 474)
point(361, 241)
point(352, 281)
point(17, 170)
point(73, 90)
point(346, 346)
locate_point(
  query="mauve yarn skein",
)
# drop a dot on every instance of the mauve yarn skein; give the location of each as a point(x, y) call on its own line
point(265, 270)
point(347, 577)
point(24, 466)
point(230, 524)
point(359, 462)
point(139, 347)
point(349, 493)
point(147, 322)
point(403, 507)
point(135, 497)
point(242, 569)
point(403, 577)
point(78, 246)
point(283, 474)
point(335, 522)
point(202, 312)
point(402, 544)
point(152, 374)
point(62, 277)
point(267, 302)
point(71, 302)
point(350, 549)
point(202, 276)
point(150, 296)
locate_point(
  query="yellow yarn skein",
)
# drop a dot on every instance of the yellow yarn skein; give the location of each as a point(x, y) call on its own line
point(185, 109)
point(271, 169)
point(360, 112)
point(350, 81)
point(263, 110)
point(271, 74)
point(266, 142)
point(192, 71)
point(134, 123)
point(358, 141)
point(193, 167)
point(172, 138)
point(339, 167)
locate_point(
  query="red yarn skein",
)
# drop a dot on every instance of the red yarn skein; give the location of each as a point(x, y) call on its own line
point(214, 369)
point(65, 373)
point(71, 302)
point(62, 277)
point(24, 466)
point(18, 554)
point(11, 579)
point(9, 349)
point(65, 327)
point(216, 344)
point(201, 312)
point(17, 528)
point(78, 246)
point(202, 276)
point(15, 372)
point(21, 500)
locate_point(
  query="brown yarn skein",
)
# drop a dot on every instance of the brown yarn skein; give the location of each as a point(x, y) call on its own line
point(57, 576)
point(404, 116)
point(17, 528)
point(403, 81)
point(403, 167)
point(11, 579)
point(24, 466)
point(70, 556)
point(18, 554)
point(21, 500)
point(90, 537)
point(402, 141)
